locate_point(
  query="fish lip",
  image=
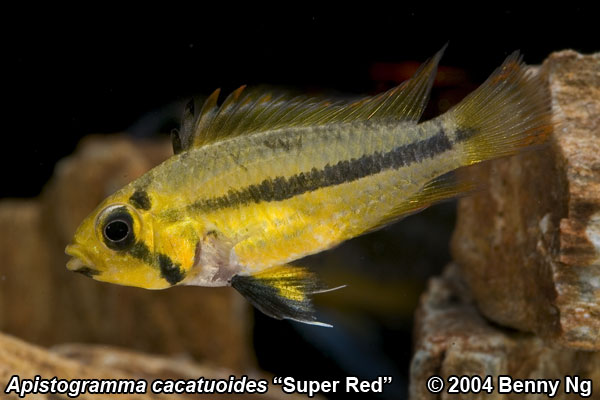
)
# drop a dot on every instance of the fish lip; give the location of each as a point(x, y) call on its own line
point(79, 262)
point(87, 271)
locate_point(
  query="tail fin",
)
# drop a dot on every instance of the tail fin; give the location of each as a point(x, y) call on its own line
point(510, 111)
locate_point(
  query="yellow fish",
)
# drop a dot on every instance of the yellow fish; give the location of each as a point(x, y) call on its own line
point(267, 178)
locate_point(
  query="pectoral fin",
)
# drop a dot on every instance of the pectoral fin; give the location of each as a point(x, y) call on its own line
point(282, 292)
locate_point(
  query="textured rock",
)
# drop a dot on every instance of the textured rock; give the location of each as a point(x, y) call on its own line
point(529, 245)
point(452, 338)
point(42, 302)
point(101, 362)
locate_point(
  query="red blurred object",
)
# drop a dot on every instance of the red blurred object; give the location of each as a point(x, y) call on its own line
point(399, 72)
point(450, 86)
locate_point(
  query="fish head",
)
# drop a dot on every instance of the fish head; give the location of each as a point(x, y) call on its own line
point(115, 244)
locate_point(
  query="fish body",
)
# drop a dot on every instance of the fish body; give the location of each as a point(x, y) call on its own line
point(266, 179)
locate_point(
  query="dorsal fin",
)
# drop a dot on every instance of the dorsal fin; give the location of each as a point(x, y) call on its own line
point(258, 110)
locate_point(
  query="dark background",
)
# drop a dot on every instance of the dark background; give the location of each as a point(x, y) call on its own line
point(69, 73)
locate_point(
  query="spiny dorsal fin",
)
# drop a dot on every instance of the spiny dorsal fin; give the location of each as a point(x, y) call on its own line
point(182, 139)
point(258, 110)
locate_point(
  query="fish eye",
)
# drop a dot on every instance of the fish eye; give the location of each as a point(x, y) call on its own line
point(117, 228)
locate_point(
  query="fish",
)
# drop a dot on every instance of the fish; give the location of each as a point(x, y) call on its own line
point(268, 177)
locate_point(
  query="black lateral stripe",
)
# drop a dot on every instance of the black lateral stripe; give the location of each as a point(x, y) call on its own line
point(140, 200)
point(463, 134)
point(169, 270)
point(140, 251)
point(281, 188)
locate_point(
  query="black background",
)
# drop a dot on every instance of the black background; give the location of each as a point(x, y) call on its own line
point(69, 73)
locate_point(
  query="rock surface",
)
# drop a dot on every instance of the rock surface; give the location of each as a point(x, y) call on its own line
point(100, 362)
point(529, 245)
point(44, 303)
point(452, 338)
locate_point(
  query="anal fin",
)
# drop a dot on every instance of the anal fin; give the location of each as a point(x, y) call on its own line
point(282, 292)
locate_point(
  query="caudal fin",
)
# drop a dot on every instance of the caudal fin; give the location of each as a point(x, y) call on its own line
point(509, 112)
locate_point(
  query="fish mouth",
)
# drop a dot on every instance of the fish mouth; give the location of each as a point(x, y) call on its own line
point(78, 262)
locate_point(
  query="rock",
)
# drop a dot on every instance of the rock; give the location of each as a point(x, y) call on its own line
point(25, 259)
point(101, 362)
point(452, 338)
point(529, 245)
point(44, 303)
